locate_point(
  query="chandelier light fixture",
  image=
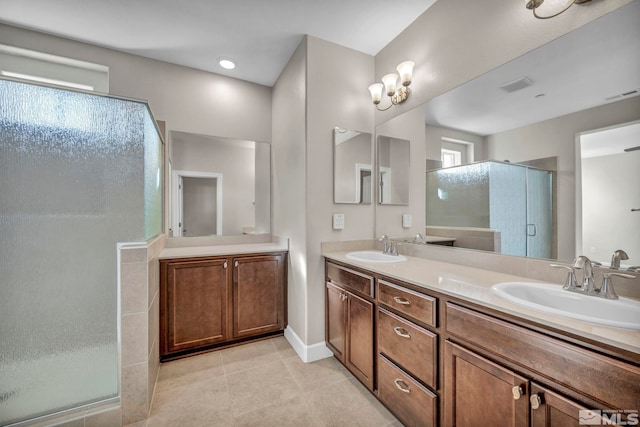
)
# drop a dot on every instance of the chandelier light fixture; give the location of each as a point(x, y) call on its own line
point(389, 85)
point(535, 4)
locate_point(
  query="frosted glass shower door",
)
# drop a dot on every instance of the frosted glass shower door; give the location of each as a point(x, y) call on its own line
point(72, 168)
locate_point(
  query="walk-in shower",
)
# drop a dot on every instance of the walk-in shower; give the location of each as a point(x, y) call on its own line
point(513, 199)
point(78, 173)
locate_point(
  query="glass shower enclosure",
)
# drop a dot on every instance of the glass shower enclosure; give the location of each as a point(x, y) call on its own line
point(514, 199)
point(80, 173)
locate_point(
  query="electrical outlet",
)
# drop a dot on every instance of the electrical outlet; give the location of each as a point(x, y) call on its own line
point(406, 220)
point(338, 221)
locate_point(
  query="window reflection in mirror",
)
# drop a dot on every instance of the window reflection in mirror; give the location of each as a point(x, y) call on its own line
point(393, 171)
point(219, 186)
point(352, 166)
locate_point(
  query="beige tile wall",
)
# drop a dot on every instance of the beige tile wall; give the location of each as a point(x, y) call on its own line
point(140, 312)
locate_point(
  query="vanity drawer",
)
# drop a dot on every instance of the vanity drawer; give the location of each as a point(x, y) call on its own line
point(350, 279)
point(413, 348)
point(415, 305)
point(613, 382)
point(409, 401)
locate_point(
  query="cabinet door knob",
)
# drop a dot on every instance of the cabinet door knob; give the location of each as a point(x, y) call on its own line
point(401, 332)
point(343, 297)
point(402, 301)
point(402, 386)
point(535, 401)
point(235, 264)
point(517, 392)
point(225, 264)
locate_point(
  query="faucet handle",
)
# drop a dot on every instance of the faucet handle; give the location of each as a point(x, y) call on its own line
point(570, 283)
point(606, 290)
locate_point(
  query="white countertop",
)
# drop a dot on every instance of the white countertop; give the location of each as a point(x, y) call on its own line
point(473, 285)
point(202, 251)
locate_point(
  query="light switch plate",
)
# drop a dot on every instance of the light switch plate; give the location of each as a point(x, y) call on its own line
point(406, 220)
point(338, 221)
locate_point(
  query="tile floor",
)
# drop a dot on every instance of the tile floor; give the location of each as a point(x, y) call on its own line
point(261, 384)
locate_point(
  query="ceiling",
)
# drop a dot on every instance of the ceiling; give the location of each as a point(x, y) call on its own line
point(259, 35)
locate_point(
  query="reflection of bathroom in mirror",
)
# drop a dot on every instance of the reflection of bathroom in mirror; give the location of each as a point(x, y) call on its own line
point(393, 170)
point(352, 166)
point(533, 111)
point(610, 170)
point(219, 186)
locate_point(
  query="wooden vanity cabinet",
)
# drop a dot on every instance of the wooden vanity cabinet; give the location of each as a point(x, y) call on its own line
point(350, 320)
point(215, 301)
point(509, 388)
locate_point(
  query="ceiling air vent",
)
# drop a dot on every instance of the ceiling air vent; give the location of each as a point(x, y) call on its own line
point(630, 93)
point(518, 84)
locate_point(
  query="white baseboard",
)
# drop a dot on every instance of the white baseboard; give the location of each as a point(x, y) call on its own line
point(308, 353)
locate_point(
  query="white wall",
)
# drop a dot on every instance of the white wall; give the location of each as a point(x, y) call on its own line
point(607, 221)
point(289, 180)
point(334, 98)
point(312, 97)
point(188, 100)
point(557, 137)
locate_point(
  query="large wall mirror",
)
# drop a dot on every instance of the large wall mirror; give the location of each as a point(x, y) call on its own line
point(533, 112)
point(352, 166)
point(393, 170)
point(218, 186)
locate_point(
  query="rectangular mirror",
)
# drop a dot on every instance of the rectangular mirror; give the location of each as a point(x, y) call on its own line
point(393, 170)
point(218, 186)
point(352, 166)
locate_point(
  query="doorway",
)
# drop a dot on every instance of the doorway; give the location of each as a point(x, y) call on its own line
point(197, 208)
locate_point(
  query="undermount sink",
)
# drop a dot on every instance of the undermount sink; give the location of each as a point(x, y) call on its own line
point(551, 298)
point(375, 256)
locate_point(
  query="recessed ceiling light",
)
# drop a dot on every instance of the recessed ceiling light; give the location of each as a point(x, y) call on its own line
point(227, 63)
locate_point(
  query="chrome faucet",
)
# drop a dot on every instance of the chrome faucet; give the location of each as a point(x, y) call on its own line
point(606, 290)
point(386, 242)
point(419, 238)
point(588, 284)
point(617, 257)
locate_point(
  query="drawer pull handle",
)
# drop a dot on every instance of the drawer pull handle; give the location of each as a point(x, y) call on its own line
point(517, 392)
point(535, 401)
point(402, 301)
point(402, 386)
point(401, 332)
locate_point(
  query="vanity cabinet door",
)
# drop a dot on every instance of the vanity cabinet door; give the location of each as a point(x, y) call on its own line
point(549, 409)
point(258, 295)
point(336, 320)
point(349, 331)
point(479, 392)
point(359, 356)
point(194, 308)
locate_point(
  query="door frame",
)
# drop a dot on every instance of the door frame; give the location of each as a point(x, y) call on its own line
point(177, 203)
point(359, 168)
